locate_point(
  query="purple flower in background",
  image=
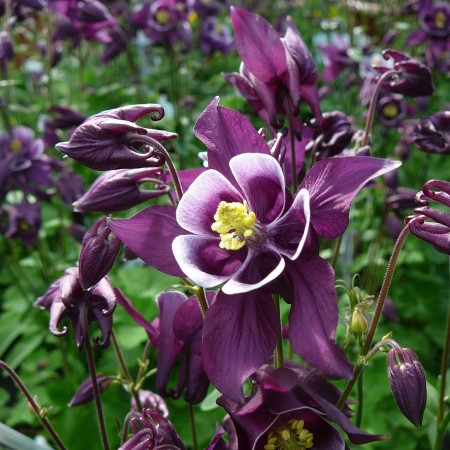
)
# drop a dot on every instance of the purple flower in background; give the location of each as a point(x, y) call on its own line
point(237, 224)
point(391, 109)
point(432, 134)
point(408, 383)
point(434, 21)
point(286, 412)
point(336, 60)
point(116, 190)
point(110, 139)
point(66, 298)
point(276, 73)
point(149, 399)
point(164, 21)
point(24, 222)
point(6, 50)
point(215, 37)
point(151, 431)
point(436, 231)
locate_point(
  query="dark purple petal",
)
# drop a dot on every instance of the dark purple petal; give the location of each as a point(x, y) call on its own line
point(333, 184)
point(199, 204)
point(204, 262)
point(262, 182)
point(85, 393)
point(313, 316)
point(258, 45)
point(150, 234)
point(433, 233)
point(227, 133)
point(239, 335)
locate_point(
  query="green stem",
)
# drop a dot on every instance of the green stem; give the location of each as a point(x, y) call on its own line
point(337, 246)
point(278, 355)
point(360, 400)
point(441, 432)
point(95, 388)
point(376, 317)
point(34, 405)
point(142, 368)
point(193, 428)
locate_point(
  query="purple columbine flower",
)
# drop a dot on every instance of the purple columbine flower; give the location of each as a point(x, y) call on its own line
point(215, 37)
point(66, 298)
point(151, 431)
point(434, 21)
point(24, 222)
point(436, 231)
point(408, 383)
point(276, 72)
point(284, 411)
point(337, 59)
point(109, 140)
point(149, 399)
point(415, 79)
point(99, 250)
point(432, 134)
point(116, 190)
point(237, 225)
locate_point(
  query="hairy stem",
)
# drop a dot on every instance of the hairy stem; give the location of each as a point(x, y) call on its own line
point(34, 405)
point(278, 355)
point(193, 428)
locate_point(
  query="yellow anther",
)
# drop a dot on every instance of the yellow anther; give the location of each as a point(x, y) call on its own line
point(162, 17)
point(285, 434)
point(291, 437)
point(439, 19)
point(390, 111)
point(234, 224)
point(15, 145)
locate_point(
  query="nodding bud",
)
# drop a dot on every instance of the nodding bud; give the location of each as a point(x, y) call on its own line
point(359, 322)
point(408, 383)
point(85, 392)
point(99, 249)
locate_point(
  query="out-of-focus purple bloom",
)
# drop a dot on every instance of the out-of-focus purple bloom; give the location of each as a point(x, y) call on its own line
point(336, 60)
point(332, 135)
point(98, 252)
point(6, 49)
point(24, 222)
point(164, 21)
point(432, 134)
point(207, 8)
point(237, 224)
point(276, 72)
point(65, 118)
point(391, 110)
point(66, 298)
point(149, 399)
point(389, 310)
point(116, 190)
point(436, 231)
point(110, 139)
point(70, 186)
point(434, 21)
point(408, 383)
point(151, 431)
point(415, 79)
point(85, 393)
point(215, 37)
point(178, 330)
point(117, 45)
point(284, 411)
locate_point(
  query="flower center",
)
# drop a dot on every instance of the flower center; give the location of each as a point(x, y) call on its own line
point(15, 145)
point(234, 224)
point(390, 111)
point(291, 437)
point(163, 17)
point(439, 20)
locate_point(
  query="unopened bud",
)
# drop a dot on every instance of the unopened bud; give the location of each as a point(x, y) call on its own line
point(408, 384)
point(85, 392)
point(359, 322)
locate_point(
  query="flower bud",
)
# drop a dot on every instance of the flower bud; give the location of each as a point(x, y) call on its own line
point(359, 322)
point(98, 252)
point(408, 384)
point(85, 393)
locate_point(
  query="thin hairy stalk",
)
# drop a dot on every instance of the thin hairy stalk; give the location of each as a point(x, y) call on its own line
point(95, 388)
point(337, 246)
point(278, 355)
point(154, 143)
point(34, 405)
point(373, 103)
point(142, 367)
point(126, 372)
point(193, 428)
point(441, 432)
point(291, 143)
point(359, 411)
point(444, 367)
point(376, 317)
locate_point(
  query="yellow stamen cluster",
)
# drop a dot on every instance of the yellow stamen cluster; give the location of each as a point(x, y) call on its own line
point(162, 17)
point(293, 438)
point(390, 111)
point(233, 217)
point(440, 20)
point(15, 145)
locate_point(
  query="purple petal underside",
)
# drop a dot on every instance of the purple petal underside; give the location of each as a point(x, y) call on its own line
point(150, 234)
point(239, 335)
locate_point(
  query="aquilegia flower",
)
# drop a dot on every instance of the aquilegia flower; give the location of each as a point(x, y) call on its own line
point(237, 225)
point(432, 134)
point(109, 140)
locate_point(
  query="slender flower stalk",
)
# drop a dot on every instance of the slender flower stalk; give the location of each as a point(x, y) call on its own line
point(95, 388)
point(193, 428)
point(376, 317)
point(373, 102)
point(34, 405)
point(278, 356)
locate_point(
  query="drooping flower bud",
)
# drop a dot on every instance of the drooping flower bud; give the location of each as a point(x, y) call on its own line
point(415, 77)
point(99, 249)
point(408, 384)
point(102, 142)
point(116, 190)
point(432, 134)
point(359, 322)
point(85, 393)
